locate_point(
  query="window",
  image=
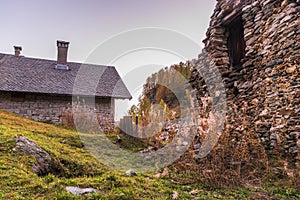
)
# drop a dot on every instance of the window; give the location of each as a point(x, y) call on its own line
point(62, 67)
point(17, 97)
point(236, 43)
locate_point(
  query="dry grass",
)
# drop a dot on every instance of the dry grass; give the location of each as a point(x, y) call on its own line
point(85, 119)
point(239, 158)
point(80, 169)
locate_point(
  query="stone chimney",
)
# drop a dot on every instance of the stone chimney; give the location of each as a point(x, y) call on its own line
point(62, 52)
point(18, 50)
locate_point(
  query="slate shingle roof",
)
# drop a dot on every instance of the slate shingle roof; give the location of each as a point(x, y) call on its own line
point(21, 74)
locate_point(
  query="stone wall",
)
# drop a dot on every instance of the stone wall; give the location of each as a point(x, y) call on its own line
point(49, 108)
point(267, 83)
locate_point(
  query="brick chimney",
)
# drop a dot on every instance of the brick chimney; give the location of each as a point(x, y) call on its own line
point(62, 52)
point(18, 50)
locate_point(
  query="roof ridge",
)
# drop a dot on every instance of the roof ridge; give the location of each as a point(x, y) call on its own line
point(50, 60)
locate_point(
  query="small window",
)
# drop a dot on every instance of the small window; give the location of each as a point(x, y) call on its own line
point(17, 97)
point(62, 67)
point(236, 42)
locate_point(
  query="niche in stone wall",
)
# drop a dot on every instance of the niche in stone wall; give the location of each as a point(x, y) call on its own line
point(236, 43)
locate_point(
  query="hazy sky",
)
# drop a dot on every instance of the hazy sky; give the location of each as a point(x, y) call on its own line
point(37, 24)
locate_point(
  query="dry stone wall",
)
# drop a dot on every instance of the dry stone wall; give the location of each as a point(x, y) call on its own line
point(268, 82)
point(49, 108)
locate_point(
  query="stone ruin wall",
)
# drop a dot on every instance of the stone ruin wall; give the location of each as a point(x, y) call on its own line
point(49, 108)
point(268, 81)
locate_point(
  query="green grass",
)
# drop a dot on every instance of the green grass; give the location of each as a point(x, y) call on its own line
point(76, 167)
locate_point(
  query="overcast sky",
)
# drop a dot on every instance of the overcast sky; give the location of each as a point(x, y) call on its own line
point(37, 24)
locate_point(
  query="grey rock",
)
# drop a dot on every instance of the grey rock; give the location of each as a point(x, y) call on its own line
point(131, 173)
point(293, 149)
point(274, 62)
point(175, 195)
point(43, 164)
point(80, 191)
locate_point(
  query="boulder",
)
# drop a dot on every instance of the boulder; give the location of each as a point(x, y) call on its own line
point(130, 173)
point(43, 162)
point(80, 191)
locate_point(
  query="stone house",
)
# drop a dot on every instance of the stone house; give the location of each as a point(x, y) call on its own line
point(255, 45)
point(43, 89)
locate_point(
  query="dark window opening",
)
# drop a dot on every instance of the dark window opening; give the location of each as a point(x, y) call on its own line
point(236, 42)
point(17, 97)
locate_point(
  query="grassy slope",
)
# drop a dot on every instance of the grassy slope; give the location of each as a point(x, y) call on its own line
point(76, 167)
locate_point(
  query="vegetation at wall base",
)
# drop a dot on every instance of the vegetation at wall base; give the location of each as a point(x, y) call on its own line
point(76, 167)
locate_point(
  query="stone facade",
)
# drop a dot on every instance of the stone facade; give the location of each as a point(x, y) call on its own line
point(267, 80)
point(49, 108)
point(43, 89)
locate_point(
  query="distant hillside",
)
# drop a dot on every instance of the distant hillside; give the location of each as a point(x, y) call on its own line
point(163, 87)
